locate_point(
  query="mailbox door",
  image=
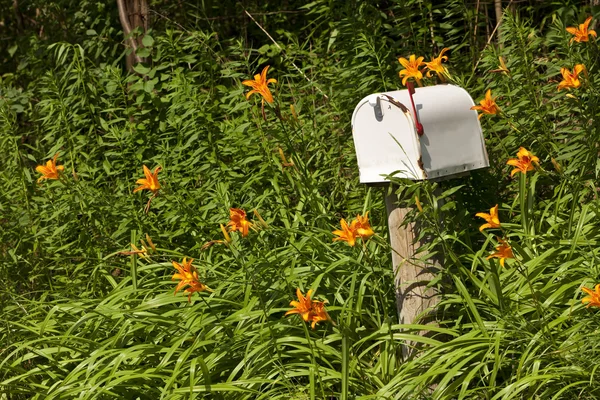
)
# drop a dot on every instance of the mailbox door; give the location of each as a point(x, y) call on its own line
point(386, 140)
point(452, 142)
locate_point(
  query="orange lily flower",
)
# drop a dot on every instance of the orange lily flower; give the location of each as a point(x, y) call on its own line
point(492, 219)
point(581, 33)
point(310, 310)
point(436, 66)
point(411, 68)
point(487, 105)
point(196, 286)
point(238, 221)
point(594, 296)
point(571, 80)
point(150, 182)
point(361, 226)
point(50, 170)
point(303, 306)
point(260, 85)
point(189, 277)
point(347, 233)
point(186, 272)
point(503, 251)
point(319, 313)
point(523, 162)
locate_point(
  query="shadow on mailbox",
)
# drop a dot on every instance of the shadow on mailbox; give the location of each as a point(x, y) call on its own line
point(384, 129)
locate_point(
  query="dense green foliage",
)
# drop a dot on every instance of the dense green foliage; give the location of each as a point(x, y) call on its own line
point(84, 317)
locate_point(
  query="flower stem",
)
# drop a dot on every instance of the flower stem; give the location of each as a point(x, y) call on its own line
point(523, 202)
point(133, 262)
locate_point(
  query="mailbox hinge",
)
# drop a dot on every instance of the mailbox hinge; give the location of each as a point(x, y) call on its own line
point(397, 103)
point(422, 166)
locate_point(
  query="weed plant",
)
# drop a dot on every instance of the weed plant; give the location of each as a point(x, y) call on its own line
point(88, 309)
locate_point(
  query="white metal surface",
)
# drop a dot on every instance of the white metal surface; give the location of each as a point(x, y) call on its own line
point(386, 141)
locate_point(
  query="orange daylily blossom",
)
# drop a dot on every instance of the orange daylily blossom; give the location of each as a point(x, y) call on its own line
point(319, 313)
point(260, 85)
point(238, 221)
point(503, 251)
point(571, 80)
point(411, 68)
point(50, 170)
point(188, 275)
point(303, 306)
point(150, 182)
point(186, 272)
point(582, 32)
point(523, 162)
point(362, 227)
point(436, 66)
point(310, 310)
point(196, 286)
point(594, 296)
point(487, 105)
point(492, 219)
point(347, 234)
point(358, 228)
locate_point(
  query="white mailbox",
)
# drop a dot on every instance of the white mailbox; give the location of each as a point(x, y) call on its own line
point(387, 140)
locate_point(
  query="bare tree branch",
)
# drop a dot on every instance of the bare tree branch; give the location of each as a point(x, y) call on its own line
point(18, 16)
point(124, 18)
point(498, 9)
point(285, 55)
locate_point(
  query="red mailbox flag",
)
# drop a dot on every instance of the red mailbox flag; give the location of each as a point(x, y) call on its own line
point(411, 90)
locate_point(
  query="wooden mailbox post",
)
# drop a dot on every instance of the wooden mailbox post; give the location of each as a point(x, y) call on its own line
point(427, 133)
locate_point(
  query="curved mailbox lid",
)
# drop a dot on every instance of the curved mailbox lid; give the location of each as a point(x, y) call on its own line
point(452, 141)
point(385, 139)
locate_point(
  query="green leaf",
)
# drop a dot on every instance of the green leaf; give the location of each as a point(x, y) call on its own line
point(141, 69)
point(143, 52)
point(147, 41)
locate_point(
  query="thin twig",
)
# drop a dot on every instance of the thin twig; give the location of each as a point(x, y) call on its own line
point(285, 55)
point(490, 38)
point(147, 208)
point(219, 58)
point(225, 17)
point(170, 20)
point(18, 16)
point(476, 21)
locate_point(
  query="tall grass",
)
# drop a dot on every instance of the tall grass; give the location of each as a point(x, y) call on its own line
point(85, 317)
